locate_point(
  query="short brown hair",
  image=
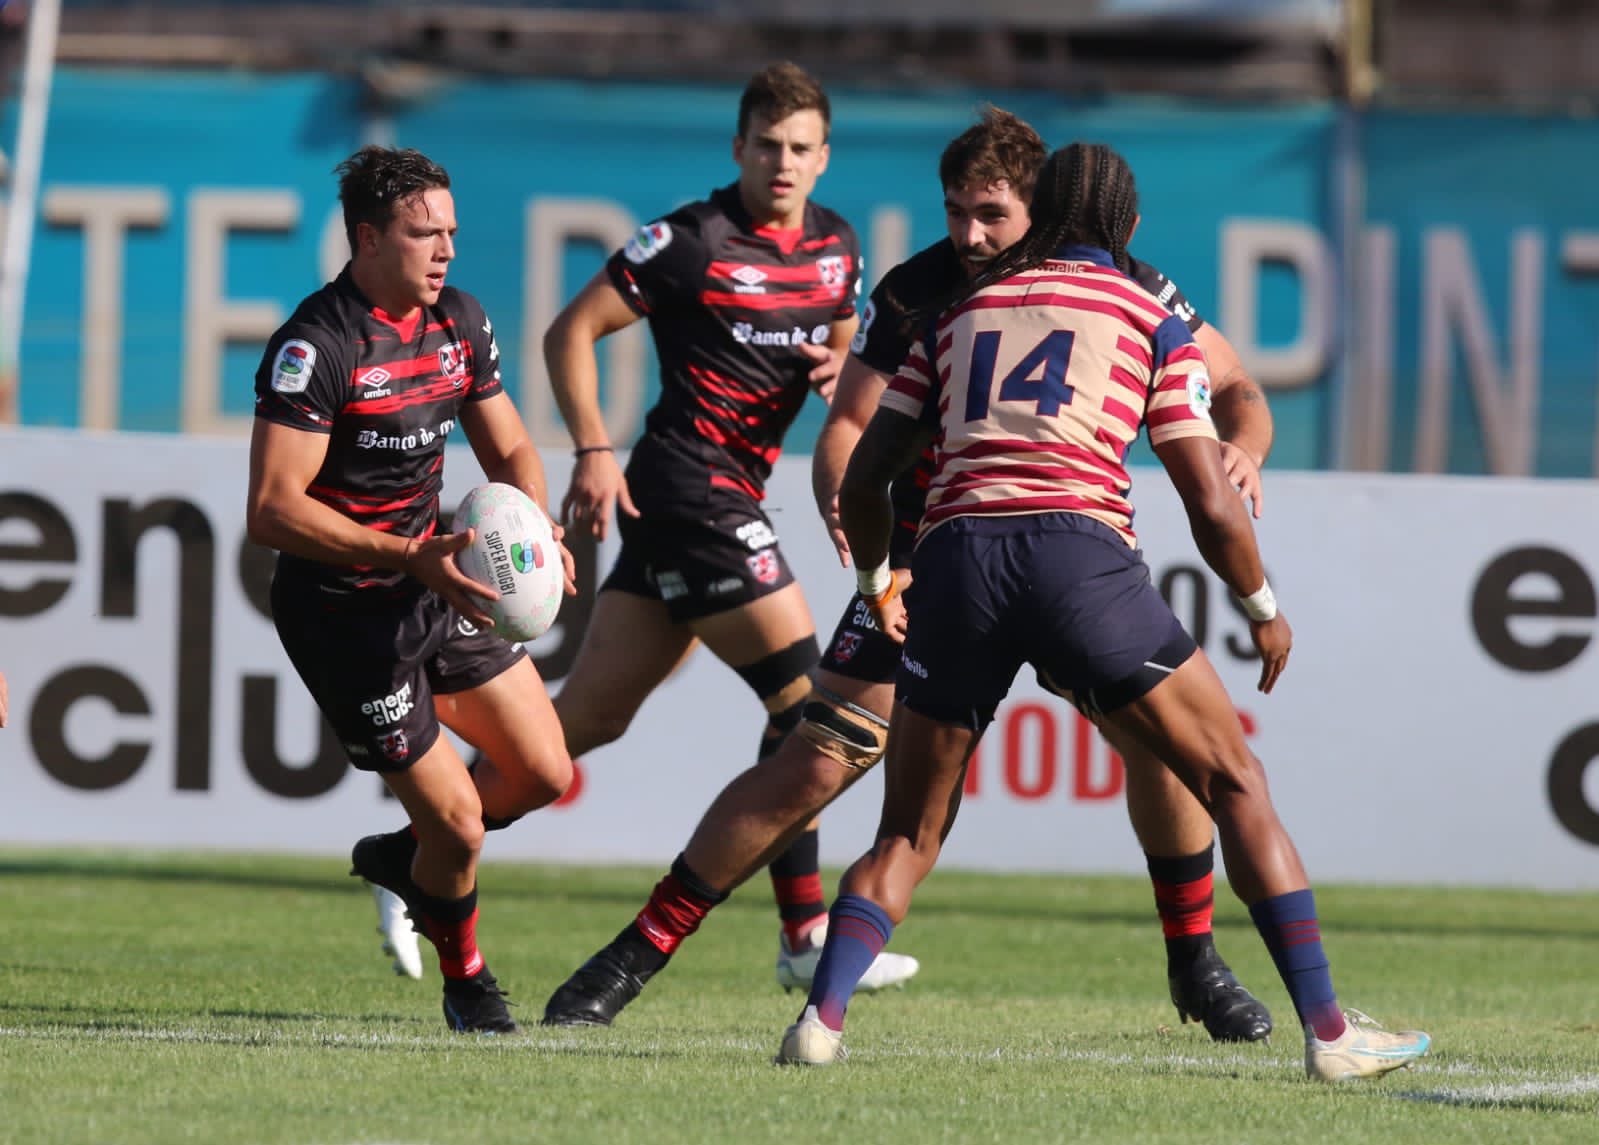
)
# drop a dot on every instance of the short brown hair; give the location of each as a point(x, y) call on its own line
point(375, 180)
point(1000, 146)
point(777, 91)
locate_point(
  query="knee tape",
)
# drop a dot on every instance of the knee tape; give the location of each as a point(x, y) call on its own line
point(770, 676)
point(843, 731)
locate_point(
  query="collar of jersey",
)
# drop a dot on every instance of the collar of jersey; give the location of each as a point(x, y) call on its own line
point(1081, 252)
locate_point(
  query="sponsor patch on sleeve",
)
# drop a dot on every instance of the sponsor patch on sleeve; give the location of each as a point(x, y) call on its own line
point(858, 343)
point(651, 240)
point(296, 361)
point(1199, 394)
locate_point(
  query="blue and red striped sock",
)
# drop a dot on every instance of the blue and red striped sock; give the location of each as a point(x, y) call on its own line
point(1293, 935)
point(857, 931)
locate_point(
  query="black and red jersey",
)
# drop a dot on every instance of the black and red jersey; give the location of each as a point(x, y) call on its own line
point(883, 341)
point(729, 305)
point(387, 393)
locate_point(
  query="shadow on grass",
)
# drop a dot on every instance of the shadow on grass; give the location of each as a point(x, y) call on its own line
point(148, 871)
point(513, 883)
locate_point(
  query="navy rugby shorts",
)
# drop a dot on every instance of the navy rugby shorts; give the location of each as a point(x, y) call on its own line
point(1060, 591)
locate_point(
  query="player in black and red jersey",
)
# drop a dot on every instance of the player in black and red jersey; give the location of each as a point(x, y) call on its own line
point(355, 398)
point(750, 296)
point(987, 174)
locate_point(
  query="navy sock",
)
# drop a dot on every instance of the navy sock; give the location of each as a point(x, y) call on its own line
point(857, 931)
point(1292, 933)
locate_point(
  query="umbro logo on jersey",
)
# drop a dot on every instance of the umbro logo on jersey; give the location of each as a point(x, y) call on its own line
point(374, 377)
point(750, 276)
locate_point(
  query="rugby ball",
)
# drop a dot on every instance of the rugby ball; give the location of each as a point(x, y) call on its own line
point(514, 552)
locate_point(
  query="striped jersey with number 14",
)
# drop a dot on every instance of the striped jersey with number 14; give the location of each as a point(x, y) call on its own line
point(1038, 384)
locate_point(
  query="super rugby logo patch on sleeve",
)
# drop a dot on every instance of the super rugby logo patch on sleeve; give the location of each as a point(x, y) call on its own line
point(1199, 394)
point(292, 373)
point(651, 240)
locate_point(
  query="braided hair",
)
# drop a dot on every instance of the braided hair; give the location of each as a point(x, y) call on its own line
point(1085, 194)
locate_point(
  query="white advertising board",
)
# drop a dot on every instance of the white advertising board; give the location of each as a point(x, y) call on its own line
point(1435, 724)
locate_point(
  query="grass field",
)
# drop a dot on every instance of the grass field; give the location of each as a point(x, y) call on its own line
point(228, 999)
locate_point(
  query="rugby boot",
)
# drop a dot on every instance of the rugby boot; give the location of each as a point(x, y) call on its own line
point(796, 969)
point(477, 1005)
point(384, 863)
point(809, 1042)
point(598, 990)
point(1365, 1049)
point(1206, 991)
point(399, 935)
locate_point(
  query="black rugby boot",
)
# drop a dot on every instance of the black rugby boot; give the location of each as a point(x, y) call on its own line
point(1206, 991)
point(599, 989)
point(477, 1005)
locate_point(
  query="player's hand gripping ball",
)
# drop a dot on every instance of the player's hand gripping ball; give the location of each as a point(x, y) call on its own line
point(515, 553)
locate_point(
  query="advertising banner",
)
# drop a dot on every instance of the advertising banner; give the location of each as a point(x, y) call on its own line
point(1435, 725)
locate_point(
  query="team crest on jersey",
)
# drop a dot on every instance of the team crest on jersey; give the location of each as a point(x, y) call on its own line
point(395, 746)
point(651, 240)
point(1199, 394)
point(452, 362)
point(848, 644)
point(857, 344)
point(831, 270)
point(292, 372)
point(763, 566)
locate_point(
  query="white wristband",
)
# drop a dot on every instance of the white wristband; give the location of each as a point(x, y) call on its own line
point(1260, 605)
point(873, 583)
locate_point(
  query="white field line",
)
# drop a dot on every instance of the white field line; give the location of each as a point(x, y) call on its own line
point(1437, 1081)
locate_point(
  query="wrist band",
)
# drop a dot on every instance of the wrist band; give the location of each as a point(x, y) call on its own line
point(1260, 605)
point(592, 449)
point(873, 583)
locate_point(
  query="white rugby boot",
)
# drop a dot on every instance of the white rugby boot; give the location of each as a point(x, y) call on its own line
point(399, 937)
point(809, 1042)
point(1364, 1050)
point(797, 969)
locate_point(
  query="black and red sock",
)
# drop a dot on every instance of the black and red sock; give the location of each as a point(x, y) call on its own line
point(677, 906)
point(1185, 898)
point(797, 884)
point(451, 925)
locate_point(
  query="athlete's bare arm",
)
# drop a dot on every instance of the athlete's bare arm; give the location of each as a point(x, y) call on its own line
point(1242, 417)
point(854, 402)
point(597, 481)
point(891, 444)
point(3, 699)
point(280, 514)
point(506, 453)
point(1225, 538)
point(829, 357)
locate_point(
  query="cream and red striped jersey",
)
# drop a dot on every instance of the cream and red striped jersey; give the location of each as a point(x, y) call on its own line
point(1039, 383)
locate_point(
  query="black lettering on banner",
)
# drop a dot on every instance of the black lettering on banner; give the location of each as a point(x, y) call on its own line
point(1198, 623)
point(1240, 647)
point(124, 527)
point(48, 724)
point(256, 566)
point(258, 744)
point(1567, 769)
point(1194, 584)
point(55, 544)
point(1493, 607)
point(573, 620)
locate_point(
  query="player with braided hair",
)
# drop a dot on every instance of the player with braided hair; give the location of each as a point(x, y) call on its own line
point(1033, 382)
point(987, 174)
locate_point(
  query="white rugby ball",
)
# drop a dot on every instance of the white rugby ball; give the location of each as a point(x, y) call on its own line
point(515, 553)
